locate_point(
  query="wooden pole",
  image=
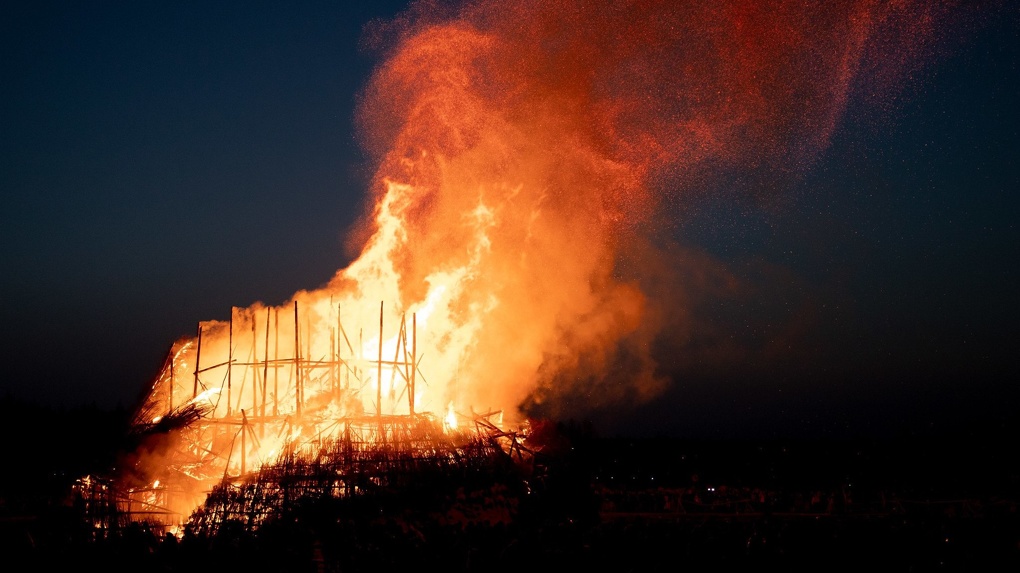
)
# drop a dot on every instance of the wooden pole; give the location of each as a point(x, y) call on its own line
point(265, 371)
point(400, 345)
point(414, 354)
point(378, 394)
point(230, 356)
point(344, 333)
point(244, 441)
point(254, 372)
point(170, 404)
point(276, 366)
point(308, 353)
point(198, 360)
point(297, 362)
point(332, 363)
point(354, 356)
point(339, 353)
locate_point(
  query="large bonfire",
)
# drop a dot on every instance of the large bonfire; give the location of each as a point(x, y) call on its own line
point(526, 153)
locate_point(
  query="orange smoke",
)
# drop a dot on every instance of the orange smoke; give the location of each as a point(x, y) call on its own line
point(577, 129)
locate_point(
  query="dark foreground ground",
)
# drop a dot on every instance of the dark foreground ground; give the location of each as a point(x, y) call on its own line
point(912, 504)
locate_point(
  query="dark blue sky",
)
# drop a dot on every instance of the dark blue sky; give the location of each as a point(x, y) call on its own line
point(161, 163)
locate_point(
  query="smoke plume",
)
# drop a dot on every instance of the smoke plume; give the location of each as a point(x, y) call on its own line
point(540, 154)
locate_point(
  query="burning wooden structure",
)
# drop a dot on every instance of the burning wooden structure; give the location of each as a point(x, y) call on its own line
point(258, 429)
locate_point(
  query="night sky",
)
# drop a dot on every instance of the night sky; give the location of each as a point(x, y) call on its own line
point(162, 163)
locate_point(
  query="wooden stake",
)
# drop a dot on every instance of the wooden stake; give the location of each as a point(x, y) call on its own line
point(265, 373)
point(170, 404)
point(341, 364)
point(244, 441)
point(332, 363)
point(297, 362)
point(378, 398)
point(397, 365)
point(414, 353)
point(198, 360)
point(254, 372)
point(230, 356)
point(308, 353)
point(276, 366)
point(344, 333)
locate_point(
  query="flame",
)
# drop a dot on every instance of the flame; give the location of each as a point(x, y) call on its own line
point(451, 417)
point(510, 256)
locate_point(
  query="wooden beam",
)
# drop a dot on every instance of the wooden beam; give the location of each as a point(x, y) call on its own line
point(414, 353)
point(378, 378)
point(297, 361)
point(230, 356)
point(198, 359)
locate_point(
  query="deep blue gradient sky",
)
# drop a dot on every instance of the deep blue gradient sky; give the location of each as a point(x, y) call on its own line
point(162, 163)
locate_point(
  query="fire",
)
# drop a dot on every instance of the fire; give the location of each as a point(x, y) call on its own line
point(451, 417)
point(510, 257)
point(274, 378)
